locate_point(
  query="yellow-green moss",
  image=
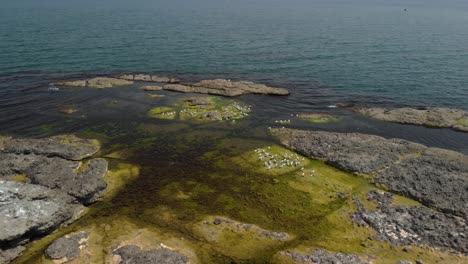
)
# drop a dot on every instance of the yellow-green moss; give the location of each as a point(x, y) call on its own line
point(319, 118)
point(462, 122)
point(163, 112)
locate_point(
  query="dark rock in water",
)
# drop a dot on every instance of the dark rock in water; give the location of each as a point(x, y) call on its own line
point(85, 184)
point(67, 147)
point(431, 117)
point(438, 178)
point(413, 225)
point(151, 88)
point(133, 254)
point(148, 78)
point(323, 257)
point(195, 101)
point(226, 88)
point(98, 82)
point(435, 177)
point(68, 247)
point(28, 210)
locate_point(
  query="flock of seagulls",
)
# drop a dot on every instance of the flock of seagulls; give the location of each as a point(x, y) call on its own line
point(278, 161)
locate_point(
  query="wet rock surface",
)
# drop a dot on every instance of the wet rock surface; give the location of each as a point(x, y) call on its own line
point(151, 88)
point(28, 210)
point(98, 82)
point(226, 88)
point(413, 225)
point(148, 78)
point(67, 248)
point(323, 257)
point(135, 255)
point(435, 177)
point(432, 117)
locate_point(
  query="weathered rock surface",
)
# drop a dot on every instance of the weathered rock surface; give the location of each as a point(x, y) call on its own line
point(65, 146)
point(413, 225)
point(135, 255)
point(67, 247)
point(28, 210)
point(98, 82)
point(323, 257)
point(435, 177)
point(148, 78)
point(85, 183)
point(226, 88)
point(432, 117)
point(438, 178)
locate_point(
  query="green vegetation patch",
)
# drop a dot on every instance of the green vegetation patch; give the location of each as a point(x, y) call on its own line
point(202, 109)
point(319, 118)
point(462, 122)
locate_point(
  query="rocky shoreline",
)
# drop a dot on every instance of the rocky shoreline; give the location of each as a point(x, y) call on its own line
point(45, 184)
point(430, 117)
point(219, 87)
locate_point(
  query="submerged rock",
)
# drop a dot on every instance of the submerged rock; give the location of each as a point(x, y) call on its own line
point(151, 88)
point(135, 255)
point(148, 78)
point(98, 82)
point(435, 177)
point(67, 247)
point(413, 225)
point(318, 118)
point(431, 117)
point(226, 88)
point(323, 257)
point(28, 210)
point(64, 146)
point(238, 239)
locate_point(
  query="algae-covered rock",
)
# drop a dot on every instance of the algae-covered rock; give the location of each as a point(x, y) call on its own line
point(163, 113)
point(28, 210)
point(202, 109)
point(67, 248)
point(413, 225)
point(98, 82)
point(151, 88)
point(431, 117)
point(238, 239)
point(318, 118)
point(436, 178)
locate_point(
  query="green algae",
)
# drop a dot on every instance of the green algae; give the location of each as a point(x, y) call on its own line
point(202, 109)
point(462, 122)
point(193, 175)
point(319, 118)
point(163, 113)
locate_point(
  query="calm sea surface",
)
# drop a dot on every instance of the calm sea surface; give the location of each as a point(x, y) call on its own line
point(363, 50)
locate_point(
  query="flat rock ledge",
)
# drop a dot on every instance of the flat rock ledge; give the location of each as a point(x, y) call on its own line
point(135, 255)
point(227, 88)
point(44, 183)
point(67, 248)
point(28, 210)
point(435, 177)
point(323, 257)
point(412, 225)
point(97, 82)
point(148, 78)
point(430, 117)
